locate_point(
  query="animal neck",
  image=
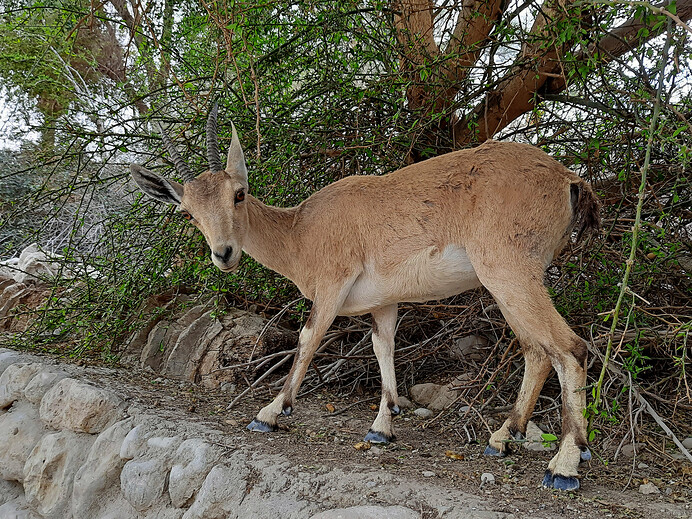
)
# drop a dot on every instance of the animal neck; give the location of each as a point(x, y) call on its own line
point(270, 238)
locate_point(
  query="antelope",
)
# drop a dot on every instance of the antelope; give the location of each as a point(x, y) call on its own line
point(495, 215)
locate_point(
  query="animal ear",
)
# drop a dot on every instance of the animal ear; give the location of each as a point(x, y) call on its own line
point(235, 163)
point(156, 186)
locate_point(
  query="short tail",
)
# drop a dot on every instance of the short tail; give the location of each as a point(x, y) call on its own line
point(585, 207)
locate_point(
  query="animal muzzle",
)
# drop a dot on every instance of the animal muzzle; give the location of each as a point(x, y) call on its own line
point(225, 258)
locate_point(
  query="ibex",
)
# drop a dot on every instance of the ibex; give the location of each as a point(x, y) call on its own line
point(495, 215)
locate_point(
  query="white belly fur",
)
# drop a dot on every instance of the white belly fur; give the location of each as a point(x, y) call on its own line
point(425, 276)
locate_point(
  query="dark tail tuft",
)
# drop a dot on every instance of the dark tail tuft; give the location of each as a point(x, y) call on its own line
point(585, 208)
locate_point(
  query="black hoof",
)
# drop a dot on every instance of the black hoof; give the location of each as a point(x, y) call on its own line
point(260, 426)
point(492, 451)
point(558, 482)
point(378, 437)
point(518, 436)
point(565, 482)
point(548, 479)
point(287, 410)
point(585, 454)
point(395, 410)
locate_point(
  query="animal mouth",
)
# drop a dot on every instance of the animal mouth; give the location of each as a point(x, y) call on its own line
point(230, 269)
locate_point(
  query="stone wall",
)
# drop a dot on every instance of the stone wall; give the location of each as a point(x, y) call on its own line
point(70, 448)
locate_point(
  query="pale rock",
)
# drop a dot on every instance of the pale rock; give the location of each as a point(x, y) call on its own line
point(424, 413)
point(20, 431)
point(35, 264)
point(534, 439)
point(76, 406)
point(143, 482)
point(405, 403)
point(100, 471)
point(487, 479)
point(687, 443)
point(468, 347)
point(368, 512)
point(648, 489)
point(143, 479)
point(135, 441)
point(433, 396)
point(50, 469)
point(221, 493)
point(41, 383)
point(11, 297)
point(428, 474)
point(10, 490)
point(194, 459)
point(629, 449)
point(13, 381)
point(7, 358)
point(17, 509)
point(183, 360)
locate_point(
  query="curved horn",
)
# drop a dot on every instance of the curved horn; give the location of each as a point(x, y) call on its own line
point(183, 169)
point(213, 155)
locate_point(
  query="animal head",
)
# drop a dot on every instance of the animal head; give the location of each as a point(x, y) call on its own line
point(215, 201)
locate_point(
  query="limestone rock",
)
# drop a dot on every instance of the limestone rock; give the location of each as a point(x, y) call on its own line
point(143, 479)
point(143, 482)
point(17, 509)
point(80, 407)
point(405, 403)
point(163, 337)
point(100, 471)
point(194, 459)
point(629, 449)
point(468, 347)
point(687, 443)
point(135, 441)
point(41, 383)
point(50, 469)
point(35, 264)
point(535, 441)
point(368, 512)
point(433, 396)
point(7, 358)
point(13, 381)
point(222, 491)
point(244, 334)
point(424, 413)
point(648, 489)
point(183, 360)
point(20, 431)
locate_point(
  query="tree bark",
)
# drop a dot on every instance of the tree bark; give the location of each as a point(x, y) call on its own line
point(543, 73)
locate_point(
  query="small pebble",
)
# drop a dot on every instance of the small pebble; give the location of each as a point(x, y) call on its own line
point(371, 484)
point(642, 465)
point(422, 412)
point(487, 479)
point(428, 474)
point(648, 488)
point(375, 450)
point(687, 443)
point(668, 491)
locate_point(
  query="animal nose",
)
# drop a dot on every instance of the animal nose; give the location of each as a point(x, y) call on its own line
point(225, 255)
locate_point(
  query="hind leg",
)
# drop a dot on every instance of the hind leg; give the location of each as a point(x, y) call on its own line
point(537, 367)
point(548, 340)
point(383, 328)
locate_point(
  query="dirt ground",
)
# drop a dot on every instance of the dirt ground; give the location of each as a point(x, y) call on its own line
point(326, 427)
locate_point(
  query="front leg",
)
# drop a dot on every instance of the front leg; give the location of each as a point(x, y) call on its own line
point(324, 310)
point(308, 342)
point(383, 328)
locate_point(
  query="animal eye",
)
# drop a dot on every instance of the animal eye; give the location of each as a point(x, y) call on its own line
point(186, 215)
point(239, 195)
